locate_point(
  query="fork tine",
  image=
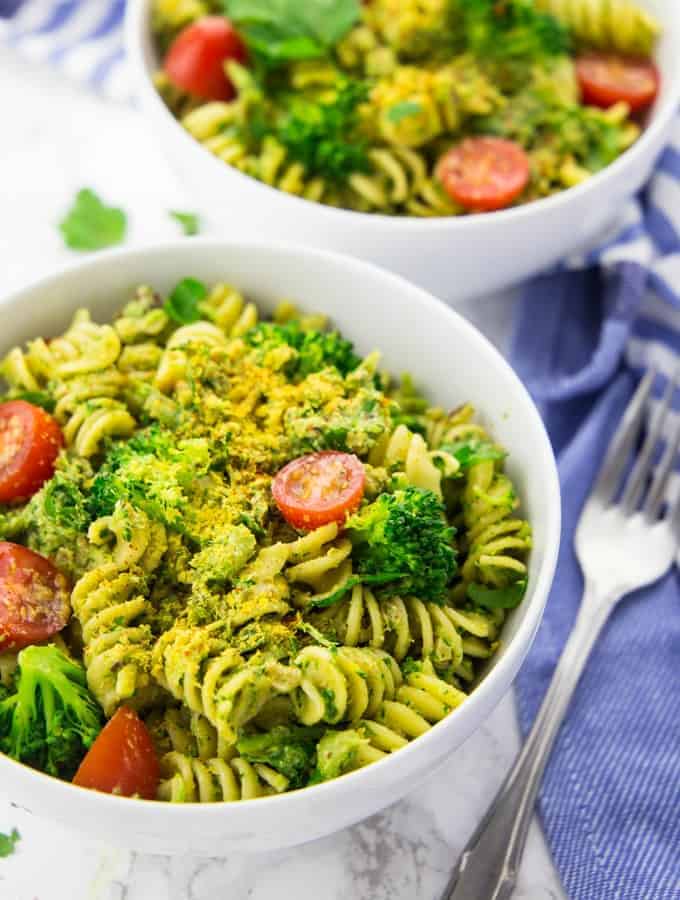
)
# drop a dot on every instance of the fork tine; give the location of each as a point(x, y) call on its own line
point(662, 476)
point(642, 469)
point(621, 444)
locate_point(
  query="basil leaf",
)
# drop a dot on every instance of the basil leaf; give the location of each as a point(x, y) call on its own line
point(473, 451)
point(189, 221)
point(279, 31)
point(183, 303)
point(403, 110)
point(91, 225)
point(497, 598)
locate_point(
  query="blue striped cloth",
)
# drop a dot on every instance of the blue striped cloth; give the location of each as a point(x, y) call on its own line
point(81, 38)
point(611, 798)
point(584, 333)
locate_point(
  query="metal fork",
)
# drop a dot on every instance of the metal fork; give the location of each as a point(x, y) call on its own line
point(627, 538)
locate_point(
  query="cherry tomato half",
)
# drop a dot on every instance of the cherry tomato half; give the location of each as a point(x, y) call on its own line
point(319, 488)
point(196, 58)
point(484, 173)
point(122, 760)
point(30, 441)
point(34, 597)
point(607, 78)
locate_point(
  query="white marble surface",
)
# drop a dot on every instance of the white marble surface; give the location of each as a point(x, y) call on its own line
point(54, 139)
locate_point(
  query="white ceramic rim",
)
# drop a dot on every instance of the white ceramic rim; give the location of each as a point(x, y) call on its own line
point(503, 670)
point(136, 19)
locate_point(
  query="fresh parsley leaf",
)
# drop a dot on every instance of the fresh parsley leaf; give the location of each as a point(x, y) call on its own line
point(403, 110)
point(280, 31)
point(8, 842)
point(472, 451)
point(91, 225)
point(497, 598)
point(183, 303)
point(190, 222)
point(323, 136)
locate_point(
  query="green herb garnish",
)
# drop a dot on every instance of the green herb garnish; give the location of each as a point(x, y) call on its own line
point(91, 225)
point(183, 303)
point(281, 31)
point(8, 842)
point(472, 451)
point(190, 222)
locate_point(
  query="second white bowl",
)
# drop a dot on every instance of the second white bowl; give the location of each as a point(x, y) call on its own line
point(455, 258)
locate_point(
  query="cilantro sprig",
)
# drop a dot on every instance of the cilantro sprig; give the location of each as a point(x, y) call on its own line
point(8, 842)
point(92, 225)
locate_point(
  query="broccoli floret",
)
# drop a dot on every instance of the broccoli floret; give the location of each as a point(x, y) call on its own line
point(336, 753)
point(52, 719)
point(403, 539)
point(151, 471)
point(514, 29)
point(315, 350)
point(289, 749)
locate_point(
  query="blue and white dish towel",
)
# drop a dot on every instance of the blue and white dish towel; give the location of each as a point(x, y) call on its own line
point(81, 38)
point(584, 333)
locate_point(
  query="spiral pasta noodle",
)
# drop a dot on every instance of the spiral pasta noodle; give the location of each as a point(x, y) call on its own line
point(610, 24)
point(110, 603)
point(343, 684)
point(213, 679)
point(189, 780)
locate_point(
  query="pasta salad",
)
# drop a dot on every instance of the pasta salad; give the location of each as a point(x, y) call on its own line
point(410, 107)
point(237, 558)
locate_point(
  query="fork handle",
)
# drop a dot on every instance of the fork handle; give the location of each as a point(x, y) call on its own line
point(487, 869)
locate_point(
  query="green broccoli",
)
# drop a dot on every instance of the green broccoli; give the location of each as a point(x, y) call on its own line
point(325, 137)
point(152, 472)
point(289, 749)
point(315, 350)
point(403, 539)
point(52, 719)
point(510, 30)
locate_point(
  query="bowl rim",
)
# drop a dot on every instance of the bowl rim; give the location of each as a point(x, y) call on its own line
point(504, 670)
point(136, 26)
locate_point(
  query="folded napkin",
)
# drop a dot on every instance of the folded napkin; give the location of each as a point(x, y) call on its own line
point(610, 801)
point(81, 38)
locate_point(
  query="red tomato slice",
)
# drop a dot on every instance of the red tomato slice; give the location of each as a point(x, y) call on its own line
point(607, 78)
point(196, 58)
point(34, 597)
point(122, 760)
point(319, 488)
point(30, 441)
point(484, 173)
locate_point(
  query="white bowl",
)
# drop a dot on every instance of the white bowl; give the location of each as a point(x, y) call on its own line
point(455, 258)
point(455, 363)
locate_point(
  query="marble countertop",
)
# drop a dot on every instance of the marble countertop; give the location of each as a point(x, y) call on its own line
point(55, 140)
